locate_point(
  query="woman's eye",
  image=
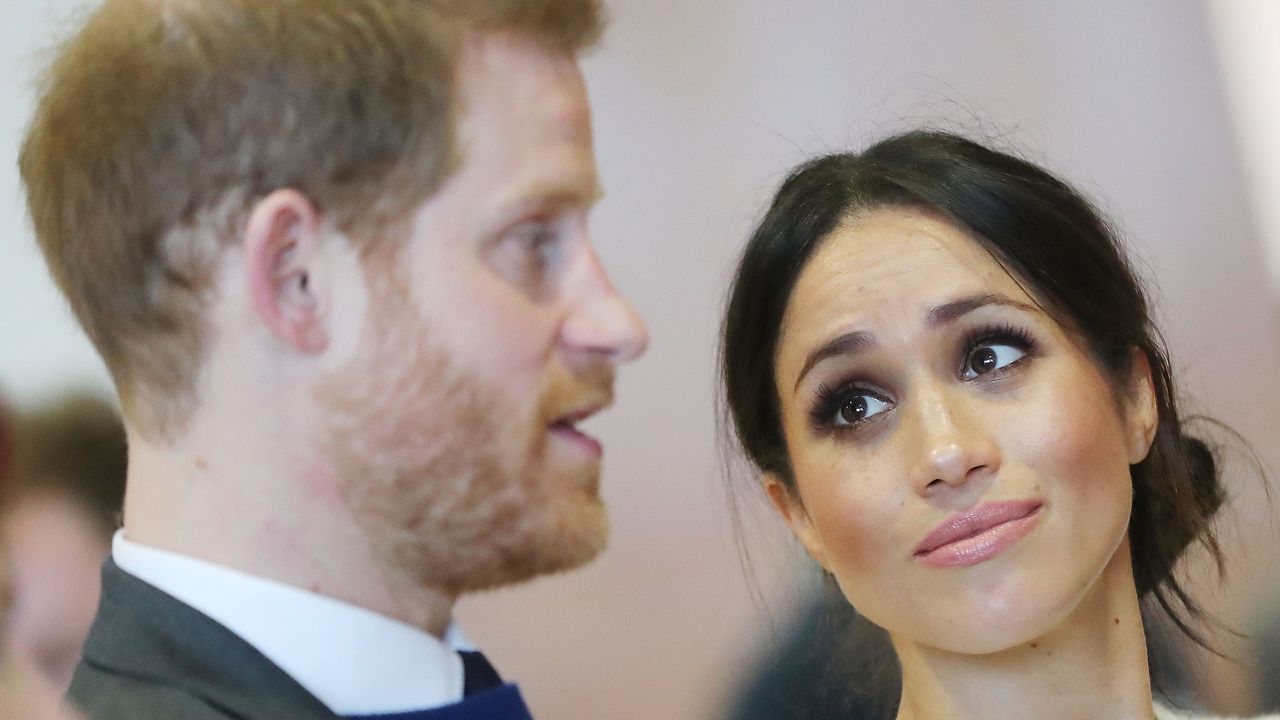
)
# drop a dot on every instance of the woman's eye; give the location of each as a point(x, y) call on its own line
point(990, 357)
point(856, 408)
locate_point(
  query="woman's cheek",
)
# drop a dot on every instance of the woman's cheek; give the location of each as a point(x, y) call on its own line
point(1071, 434)
point(852, 516)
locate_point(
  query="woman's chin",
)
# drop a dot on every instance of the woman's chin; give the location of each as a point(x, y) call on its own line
point(976, 639)
point(990, 628)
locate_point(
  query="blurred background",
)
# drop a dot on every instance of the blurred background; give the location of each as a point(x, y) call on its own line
point(1167, 112)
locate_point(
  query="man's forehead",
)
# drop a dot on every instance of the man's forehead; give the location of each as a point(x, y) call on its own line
point(512, 78)
point(542, 191)
point(524, 126)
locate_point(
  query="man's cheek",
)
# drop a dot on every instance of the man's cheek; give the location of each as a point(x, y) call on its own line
point(504, 343)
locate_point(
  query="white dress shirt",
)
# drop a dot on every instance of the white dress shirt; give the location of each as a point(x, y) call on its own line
point(353, 660)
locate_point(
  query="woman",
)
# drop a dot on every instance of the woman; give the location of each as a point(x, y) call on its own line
point(946, 371)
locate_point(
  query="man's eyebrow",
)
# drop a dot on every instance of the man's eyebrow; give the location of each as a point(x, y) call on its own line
point(539, 198)
point(563, 191)
point(543, 196)
point(852, 343)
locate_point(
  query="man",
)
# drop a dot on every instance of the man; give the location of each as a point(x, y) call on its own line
point(334, 254)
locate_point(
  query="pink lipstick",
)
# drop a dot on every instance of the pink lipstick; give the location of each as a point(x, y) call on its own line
point(970, 537)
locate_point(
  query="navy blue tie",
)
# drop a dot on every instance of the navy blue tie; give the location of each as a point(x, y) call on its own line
point(477, 674)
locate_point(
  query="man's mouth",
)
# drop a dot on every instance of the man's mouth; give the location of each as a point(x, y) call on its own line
point(566, 428)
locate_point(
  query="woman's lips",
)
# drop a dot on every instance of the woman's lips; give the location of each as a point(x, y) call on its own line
point(969, 538)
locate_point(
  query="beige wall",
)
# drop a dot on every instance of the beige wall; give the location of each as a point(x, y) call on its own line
point(1244, 34)
point(701, 106)
point(41, 349)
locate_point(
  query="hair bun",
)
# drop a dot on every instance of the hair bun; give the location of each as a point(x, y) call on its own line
point(1202, 474)
point(1177, 492)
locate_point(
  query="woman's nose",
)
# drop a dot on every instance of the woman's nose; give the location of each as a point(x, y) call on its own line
point(955, 444)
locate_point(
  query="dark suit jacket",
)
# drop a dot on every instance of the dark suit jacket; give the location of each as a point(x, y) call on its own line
point(151, 657)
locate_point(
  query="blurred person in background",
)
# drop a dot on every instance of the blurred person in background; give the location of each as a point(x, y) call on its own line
point(25, 694)
point(938, 358)
point(334, 254)
point(57, 514)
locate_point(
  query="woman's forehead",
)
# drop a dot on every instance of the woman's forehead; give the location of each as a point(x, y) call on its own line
point(888, 267)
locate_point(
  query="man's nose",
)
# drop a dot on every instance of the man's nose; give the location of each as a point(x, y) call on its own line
point(600, 321)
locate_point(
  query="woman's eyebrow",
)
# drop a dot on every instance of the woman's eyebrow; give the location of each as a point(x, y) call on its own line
point(856, 341)
point(849, 343)
point(956, 309)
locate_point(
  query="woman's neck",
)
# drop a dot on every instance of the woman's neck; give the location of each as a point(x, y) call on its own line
point(1092, 665)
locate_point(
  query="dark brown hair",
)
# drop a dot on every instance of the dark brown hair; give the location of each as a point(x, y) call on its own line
point(1052, 241)
point(73, 446)
point(161, 121)
point(6, 444)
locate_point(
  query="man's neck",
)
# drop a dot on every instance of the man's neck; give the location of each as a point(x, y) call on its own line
point(230, 504)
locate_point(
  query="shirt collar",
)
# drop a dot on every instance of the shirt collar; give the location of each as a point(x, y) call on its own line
point(355, 661)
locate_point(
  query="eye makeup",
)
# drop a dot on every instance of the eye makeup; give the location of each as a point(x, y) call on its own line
point(831, 405)
point(989, 336)
point(850, 403)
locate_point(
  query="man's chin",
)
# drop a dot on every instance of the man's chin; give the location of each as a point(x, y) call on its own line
point(565, 543)
point(572, 472)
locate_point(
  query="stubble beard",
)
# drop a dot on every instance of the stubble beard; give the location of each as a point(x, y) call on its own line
point(449, 479)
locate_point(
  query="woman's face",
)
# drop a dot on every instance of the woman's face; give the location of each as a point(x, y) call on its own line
point(961, 463)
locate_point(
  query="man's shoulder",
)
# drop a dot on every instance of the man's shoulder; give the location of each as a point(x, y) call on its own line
point(104, 695)
point(149, 655)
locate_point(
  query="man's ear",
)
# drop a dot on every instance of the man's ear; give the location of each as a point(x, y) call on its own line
point(283, 257)
point(1142, 413)
point(787, 502)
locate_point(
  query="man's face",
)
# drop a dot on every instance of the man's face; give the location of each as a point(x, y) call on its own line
point(492, 329)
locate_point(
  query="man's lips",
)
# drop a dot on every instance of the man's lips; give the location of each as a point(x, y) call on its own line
point(573, 417)
point(565, 426)
point(973, 536)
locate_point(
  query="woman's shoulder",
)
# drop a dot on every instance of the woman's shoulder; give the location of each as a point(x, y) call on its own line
point(1164, 712)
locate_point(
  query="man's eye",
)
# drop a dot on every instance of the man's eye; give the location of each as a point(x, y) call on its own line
point(853, 409)
point(536, 237)
point(990, 357)
point(529, 254)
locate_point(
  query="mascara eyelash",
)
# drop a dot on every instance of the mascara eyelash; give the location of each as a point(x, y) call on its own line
point(824, 403)
point(994, 333)
point(828, 399)
point(1002, 333)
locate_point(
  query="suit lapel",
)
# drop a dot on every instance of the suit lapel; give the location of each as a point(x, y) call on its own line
point(144, 633)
